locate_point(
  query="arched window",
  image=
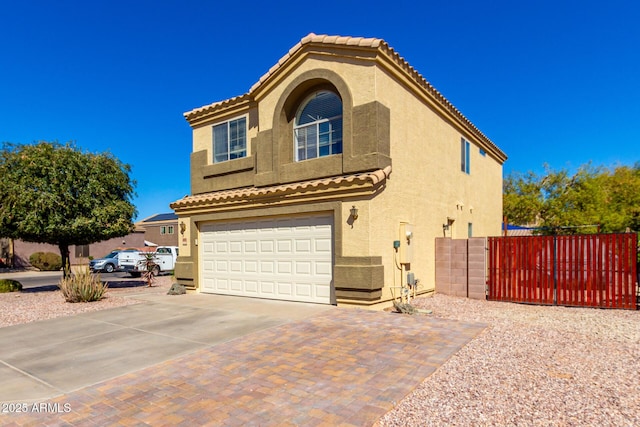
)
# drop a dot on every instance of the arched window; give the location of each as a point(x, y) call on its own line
point(317, 129)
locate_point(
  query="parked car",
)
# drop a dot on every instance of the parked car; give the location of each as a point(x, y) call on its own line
point(135, 263)
point(107, 264)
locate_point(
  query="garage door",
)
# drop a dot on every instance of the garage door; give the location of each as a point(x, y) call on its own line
point(286, 258)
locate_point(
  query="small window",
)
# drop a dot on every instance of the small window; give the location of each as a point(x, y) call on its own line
point(318, 126)
point(170, 229)
point(82, 251)
point(163, 230)
point(465, 153)
point(470, 230)
point(482, 152)
point(230, 140)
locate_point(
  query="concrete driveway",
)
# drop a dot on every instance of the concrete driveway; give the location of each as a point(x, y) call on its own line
point(213, 360)
point(44, 359)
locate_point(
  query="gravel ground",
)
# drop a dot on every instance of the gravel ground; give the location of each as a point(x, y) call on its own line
point(532, 366)
point(40, 304)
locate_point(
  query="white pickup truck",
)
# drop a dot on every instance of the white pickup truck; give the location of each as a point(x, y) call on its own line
point(135, 263)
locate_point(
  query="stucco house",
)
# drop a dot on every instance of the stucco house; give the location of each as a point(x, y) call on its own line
point(329, 180)
point(160, 229)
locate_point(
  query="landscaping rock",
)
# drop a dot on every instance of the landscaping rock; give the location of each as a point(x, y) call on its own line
point(177, 289)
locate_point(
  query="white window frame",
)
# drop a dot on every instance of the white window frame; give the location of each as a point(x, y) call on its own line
point(231, 153)
point(315, 129)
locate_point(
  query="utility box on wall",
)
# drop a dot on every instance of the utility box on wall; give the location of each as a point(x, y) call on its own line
point(406, 243)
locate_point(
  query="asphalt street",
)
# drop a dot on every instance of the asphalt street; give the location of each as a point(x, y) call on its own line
point(44, 279)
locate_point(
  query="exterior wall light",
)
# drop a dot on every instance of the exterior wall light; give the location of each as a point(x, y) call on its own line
point(447, 226)
point(354, 212)
point(183, 227)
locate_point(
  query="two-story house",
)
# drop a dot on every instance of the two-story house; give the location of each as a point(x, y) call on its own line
point(330, 179)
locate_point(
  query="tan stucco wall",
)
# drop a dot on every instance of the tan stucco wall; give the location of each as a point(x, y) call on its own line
point(425, 187)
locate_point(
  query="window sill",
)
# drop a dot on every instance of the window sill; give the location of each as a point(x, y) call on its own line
point(228, 167)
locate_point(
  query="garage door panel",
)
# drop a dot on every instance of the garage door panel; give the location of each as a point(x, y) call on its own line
point(221, 284)
point(251, 246)
point(267, 267)
point(267, 288)
point(322, 245)
point(285, 289)
point(323, 292)
point(303, 268)
point(251, 266)
point(323, 268)
point(284, 246)
point(267, 246)
point(251, 287)
point(221, 247)
point(303, 246)
point(235, 285)
point(235, 247)
point(235, 267)
point(284, 258)
point(303, 290)
point(284, 267)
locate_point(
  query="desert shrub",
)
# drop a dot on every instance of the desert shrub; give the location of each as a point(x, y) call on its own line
point(82, 286)
point(8, 285)
point(46, 261)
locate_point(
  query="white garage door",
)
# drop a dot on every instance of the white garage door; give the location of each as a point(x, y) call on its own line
point(287, 258)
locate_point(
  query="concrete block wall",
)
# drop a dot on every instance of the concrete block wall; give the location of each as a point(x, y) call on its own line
point(461, 267)
point(477, 268)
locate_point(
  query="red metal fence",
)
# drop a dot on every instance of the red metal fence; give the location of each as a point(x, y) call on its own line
point(594, 270)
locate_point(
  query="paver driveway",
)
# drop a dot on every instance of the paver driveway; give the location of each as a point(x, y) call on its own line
point(307, 365)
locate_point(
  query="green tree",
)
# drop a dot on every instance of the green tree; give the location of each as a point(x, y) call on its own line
point(57, 194)
point(592, 199)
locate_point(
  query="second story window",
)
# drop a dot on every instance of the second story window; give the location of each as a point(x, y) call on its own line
point(318, 126)
point(465, 155)
point(230, 140)
point(166, 229)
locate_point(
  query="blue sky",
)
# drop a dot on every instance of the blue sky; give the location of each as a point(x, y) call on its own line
point(553, 82)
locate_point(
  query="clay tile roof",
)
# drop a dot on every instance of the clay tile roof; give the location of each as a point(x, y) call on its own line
point(319, 39)
point(370, 179)
point(363, 42)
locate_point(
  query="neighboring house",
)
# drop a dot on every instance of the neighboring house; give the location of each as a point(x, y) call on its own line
point(329, 180)
point(79, 254)
point(160, 229)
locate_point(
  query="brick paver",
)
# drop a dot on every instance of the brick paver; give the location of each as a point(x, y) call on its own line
point(343, 367)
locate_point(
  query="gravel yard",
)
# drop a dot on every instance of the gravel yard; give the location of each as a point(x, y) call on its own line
point(30, 305)
point(532, 365)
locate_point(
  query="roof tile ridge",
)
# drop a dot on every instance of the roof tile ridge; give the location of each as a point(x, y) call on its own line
point(317, 38)
point(206, 108)
point(404, 64)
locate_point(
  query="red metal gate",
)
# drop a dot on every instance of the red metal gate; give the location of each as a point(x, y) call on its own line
point(593, 270)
